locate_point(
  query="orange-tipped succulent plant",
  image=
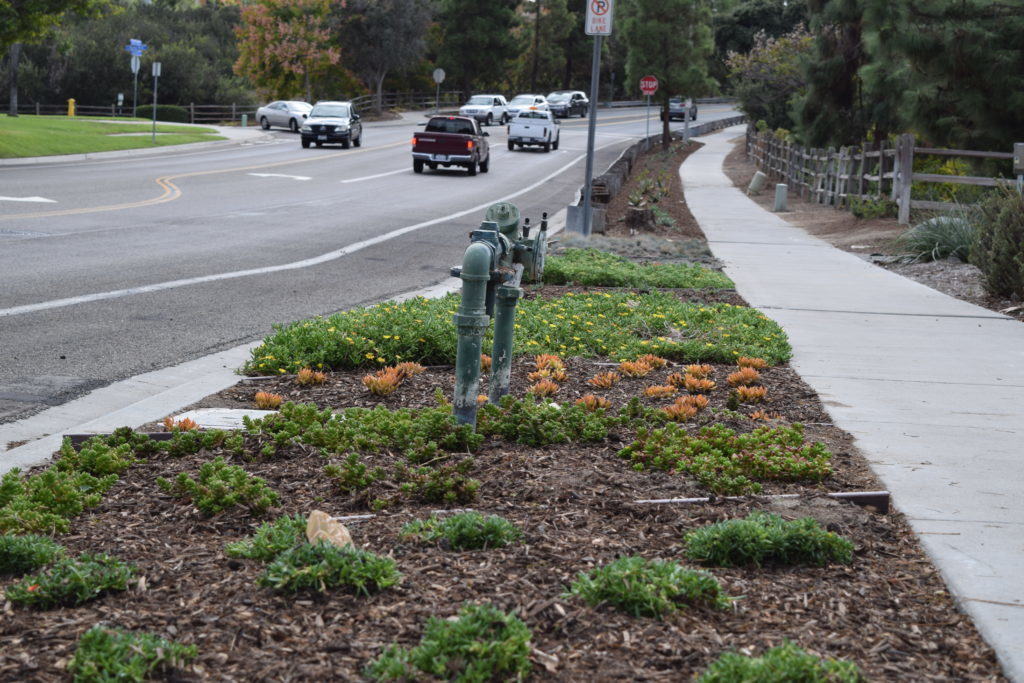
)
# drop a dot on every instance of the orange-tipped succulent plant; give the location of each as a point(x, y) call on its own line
point(679, 412)
point(545, 387)
point(591, 402)
point(655, 362)
point(309, 377)
point(185, 424)
point(383, 382)
point(548, 361)
point(266, 400)
point(408, 369)
point(756, 363)
point(660, 391)
point(604, 380)
point(485, 362)
point(697, 385)
point(751, 394)
point(699, 371)
point(744, 377)
point(635, 368)
point(697, 401)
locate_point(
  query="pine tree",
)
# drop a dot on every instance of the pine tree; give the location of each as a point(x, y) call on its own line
point(476, 41)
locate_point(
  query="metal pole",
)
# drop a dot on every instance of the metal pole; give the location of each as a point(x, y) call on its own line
point(135, 94)
point(437, 99)
point(155, 80)
point(595, 77)
point(647, 140)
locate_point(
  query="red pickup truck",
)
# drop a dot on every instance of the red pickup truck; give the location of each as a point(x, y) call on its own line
point(451, 141)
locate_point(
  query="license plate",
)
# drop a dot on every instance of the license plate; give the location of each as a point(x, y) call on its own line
point(321, 137)
point(440, 157)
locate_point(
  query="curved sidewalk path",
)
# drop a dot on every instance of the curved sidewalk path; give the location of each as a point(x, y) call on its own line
point(931, 387)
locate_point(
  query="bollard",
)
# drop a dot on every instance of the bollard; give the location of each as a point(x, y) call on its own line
point(781, 195)
point(245, 120)
point(71, 107)
point(471, 322)
point(757, 183)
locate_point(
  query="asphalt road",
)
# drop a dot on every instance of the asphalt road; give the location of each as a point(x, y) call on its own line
point(142, 263)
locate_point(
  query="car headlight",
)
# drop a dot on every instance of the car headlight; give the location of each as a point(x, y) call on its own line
point(307, 129)
point(341, 129)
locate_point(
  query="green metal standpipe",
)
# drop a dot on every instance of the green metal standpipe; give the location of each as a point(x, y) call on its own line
point(504, 329)
point(471, 322)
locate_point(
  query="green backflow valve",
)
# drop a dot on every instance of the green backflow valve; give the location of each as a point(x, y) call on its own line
point(500, 256)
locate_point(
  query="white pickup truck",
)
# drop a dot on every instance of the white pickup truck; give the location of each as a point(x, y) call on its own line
point(533, 127)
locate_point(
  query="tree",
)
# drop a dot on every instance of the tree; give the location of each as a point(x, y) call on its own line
point(658, 33)
point(542, 67)
point(24, 21)
point(284, 45)
point(383, 36)
point(737, 26)
point(770, 76)
point(476, 41)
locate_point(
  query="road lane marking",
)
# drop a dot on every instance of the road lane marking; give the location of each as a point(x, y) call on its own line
point(294, 265)
point(43, 200)
point(281, 175)
point(172, 191)
point(376, 175)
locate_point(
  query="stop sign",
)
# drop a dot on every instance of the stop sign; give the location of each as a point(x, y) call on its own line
point(649, 85)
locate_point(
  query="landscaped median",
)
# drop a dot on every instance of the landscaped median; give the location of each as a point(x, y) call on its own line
point(533, 546)
point(37, 136)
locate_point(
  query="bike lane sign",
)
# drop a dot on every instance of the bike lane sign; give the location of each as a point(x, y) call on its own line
point(599, 17)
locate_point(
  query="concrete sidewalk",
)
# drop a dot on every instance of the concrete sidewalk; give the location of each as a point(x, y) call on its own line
point(931, 387)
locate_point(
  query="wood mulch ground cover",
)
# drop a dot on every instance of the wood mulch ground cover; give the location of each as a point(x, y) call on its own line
point(888, 610)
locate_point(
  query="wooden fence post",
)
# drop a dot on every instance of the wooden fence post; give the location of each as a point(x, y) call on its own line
point(233, 112)
point(191, 112)
point(905, 177)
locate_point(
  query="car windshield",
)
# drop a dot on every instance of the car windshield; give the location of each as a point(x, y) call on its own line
point(480, 99)
point(522, 99)
point(676, 100)
point(558, 97)
point(532, 115)
point(330, 110)
point(442, 125)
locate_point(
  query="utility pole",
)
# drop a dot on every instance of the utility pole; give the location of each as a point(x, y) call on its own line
point(598, 24)
point(536, 48)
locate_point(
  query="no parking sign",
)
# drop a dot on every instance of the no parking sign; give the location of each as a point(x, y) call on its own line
point(599, 17)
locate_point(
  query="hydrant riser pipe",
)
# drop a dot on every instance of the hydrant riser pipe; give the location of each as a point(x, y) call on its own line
point(504, 331)
point(471, 322)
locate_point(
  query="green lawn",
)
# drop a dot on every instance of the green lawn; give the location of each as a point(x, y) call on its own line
point(35, 136)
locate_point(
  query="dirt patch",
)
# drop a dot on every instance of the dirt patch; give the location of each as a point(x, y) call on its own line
point(875, 241)
point(653, 165)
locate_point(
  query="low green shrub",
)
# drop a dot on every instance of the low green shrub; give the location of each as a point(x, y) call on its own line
point(998, 247)
point(107, 654)
point(938, 238)
point(537, 422)
point(621, 325)
point(592, 267)
point(170, 113)
point(72, 581)
point(650, 588)
point(48, 501)
point(221, 486)
point(870, 209)
point(353, 475)
point(20, 554)
point(765, 538)
point(321, 566)
point(483, 644)
point(96, 457)
point(270, 540)
point(729, 463)
point(464, 531)
point(781, 664)
point(444, 483)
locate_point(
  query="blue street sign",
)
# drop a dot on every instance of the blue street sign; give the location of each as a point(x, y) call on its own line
point(136, 47)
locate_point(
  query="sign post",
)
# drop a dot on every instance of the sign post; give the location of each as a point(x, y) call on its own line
point(136, 47)
point(648, 86)
point(598, 24)
point(438, 80)
point(156, 79)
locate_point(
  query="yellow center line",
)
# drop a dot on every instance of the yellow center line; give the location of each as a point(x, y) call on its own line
point(172, 191)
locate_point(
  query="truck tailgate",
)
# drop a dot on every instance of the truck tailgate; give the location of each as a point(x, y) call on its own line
point(441, 143)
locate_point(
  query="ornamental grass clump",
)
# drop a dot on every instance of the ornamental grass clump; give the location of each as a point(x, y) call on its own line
point(784, 663)
point(648, 588)
point(743, 377)
point(729, 463)
point(270, 539)
point(21, 554)
point(72, 581)
point(464, 531)
point(320, 566)
point(604, 380)
point(107, 654)
point(220, 486)
point(482, 644)
point(266, 400)
point(764, 538)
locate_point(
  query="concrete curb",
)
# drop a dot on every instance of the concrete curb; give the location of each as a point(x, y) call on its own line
point(153, 395)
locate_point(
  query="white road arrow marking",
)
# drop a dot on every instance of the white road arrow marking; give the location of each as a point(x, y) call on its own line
point(43, 200)
point(281, 175)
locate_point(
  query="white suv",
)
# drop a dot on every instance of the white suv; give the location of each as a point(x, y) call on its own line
point(487, 109)
point(526, 102)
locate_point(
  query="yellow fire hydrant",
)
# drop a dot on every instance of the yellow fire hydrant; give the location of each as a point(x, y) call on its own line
point(71, 107)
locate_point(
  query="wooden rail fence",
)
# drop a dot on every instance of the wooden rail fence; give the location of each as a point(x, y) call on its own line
point(833, 177)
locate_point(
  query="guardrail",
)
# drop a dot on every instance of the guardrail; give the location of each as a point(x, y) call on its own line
point(835, 177)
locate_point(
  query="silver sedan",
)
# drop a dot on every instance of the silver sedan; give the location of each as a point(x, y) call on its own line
point(288, 114)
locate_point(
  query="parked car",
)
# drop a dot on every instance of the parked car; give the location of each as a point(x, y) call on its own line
point(330, 122)
point(678, 108)
point(522, 102)
point(566, 103)
point(533, 127)
point(486, 109)
point(451, 141)
point(284, 113)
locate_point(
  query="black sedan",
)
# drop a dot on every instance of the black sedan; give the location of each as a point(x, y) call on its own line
point(566, 103)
